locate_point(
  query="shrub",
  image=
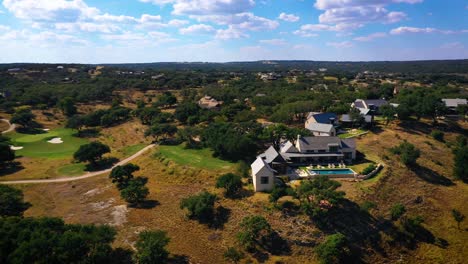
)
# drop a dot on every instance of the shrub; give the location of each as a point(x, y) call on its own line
point(199, 206)
point(231, 183)
point(437, 135)
point(332, 250)
point(253, 230)
point(408, 153)
point(151, 247)
point(135, 191)
point(397, 211)
point(233, 255)
point(368, 205)
point(11, 201)
point(369, 169)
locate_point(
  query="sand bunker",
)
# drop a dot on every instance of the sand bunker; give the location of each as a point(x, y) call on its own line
point(15, 148)
point(46, 129)
point(56, 141)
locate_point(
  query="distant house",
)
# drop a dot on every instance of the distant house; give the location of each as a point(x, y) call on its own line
point(272, 76)
point(346, 119)
point(208, 102)
point(263, 176)
point(13, 70)
point(320, 130)
point(59, 67)
point(371, 105)
point(452, 104)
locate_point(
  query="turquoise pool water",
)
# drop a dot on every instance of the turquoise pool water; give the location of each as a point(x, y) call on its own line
point(332, 171)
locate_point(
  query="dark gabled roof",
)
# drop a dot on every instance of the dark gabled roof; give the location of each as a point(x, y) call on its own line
point(376, 102)
point(324, 118)
point(359, 104)
point(313, 143)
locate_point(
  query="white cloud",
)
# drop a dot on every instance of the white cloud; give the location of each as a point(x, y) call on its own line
point(41, 39)
point(343, 44)
point(47, 10)
point(178, 22)
point(87, 27)
point(289, 17)
point(371, 36)
point(328, 4)
point(230, 33)
point(407, 30)
point(198, 29)
point(275, 42)
point(4, 28)
point(210, 7)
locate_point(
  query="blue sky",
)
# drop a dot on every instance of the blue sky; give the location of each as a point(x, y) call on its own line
point(119, 31)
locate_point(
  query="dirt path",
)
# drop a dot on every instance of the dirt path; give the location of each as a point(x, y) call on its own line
point(84, 176)
point(11, 128)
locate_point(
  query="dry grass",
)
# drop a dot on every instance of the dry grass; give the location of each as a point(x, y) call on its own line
point(170, 182)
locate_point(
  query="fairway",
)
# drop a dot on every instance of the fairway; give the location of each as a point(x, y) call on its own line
point(36, 146)
point(199, 158)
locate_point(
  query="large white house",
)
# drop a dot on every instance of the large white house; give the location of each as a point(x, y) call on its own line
point(263, 176)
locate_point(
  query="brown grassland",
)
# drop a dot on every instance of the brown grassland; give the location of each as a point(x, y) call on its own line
point(428, 190)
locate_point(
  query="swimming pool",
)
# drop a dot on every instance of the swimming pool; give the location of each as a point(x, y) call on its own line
point(332, 172)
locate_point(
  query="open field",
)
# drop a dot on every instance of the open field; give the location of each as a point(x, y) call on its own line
point(198, 158)
point(36, 146)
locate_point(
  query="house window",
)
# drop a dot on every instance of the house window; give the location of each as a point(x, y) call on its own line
point(264, 180)
point(334, 149)
point(322, 151)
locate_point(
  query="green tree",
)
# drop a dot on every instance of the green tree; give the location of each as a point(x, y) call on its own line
point(458, 217)
point(388, 112)
point(437, 135)
point(12, 201)
point(123, 174)
point(67, 105)
point(333, 250)
point(408, 153)
point(91, 152)
point(162, 131)
point(396, 211)
point(24, 118)
point(151, 247)
point(135, 192)
point(319, 195)
point(276, 194)
point(50, 240)
point(231, 183)
point(460, 170)
point(166, 99)
point(233, 255)
point(254, 230)
point(199, 206)
point(76, 122)
point(6, 154)
point(186, 110)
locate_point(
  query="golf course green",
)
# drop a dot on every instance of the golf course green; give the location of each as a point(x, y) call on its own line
point(36, 146)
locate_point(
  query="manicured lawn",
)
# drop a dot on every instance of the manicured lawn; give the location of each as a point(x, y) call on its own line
point(36, 146)
point(200, 158)
point(351, 133)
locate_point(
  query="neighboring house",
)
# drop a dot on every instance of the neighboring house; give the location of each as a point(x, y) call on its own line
point(371, 105)
point(322, 118)
point(208, 102)
point(263, 176)
point(346, 119)
point(452, 104)
point(321, 130)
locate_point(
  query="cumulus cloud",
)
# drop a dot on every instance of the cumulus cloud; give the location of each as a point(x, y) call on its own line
point(198, 29)
point(406, 30)
point(230, 33)
point(288, 17)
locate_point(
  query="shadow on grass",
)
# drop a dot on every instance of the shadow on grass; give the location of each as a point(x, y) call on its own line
point(243, 193)
point(88, 133)
point(31, 130)
point(105, 163)
point(179, 259)
point(147, 204)
point(363, 231)
point(220, 217)
point(121, 256)
point(430, 176)
point(10, 168)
